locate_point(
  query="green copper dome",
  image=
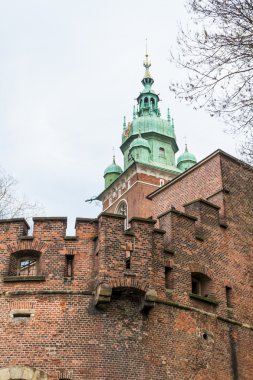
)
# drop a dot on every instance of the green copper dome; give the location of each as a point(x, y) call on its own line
point(113, 168)
point(139, 142)
point(186, 160)
point(111, 173)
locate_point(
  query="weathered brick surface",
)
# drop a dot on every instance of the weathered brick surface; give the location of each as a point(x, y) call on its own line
point(128, 335)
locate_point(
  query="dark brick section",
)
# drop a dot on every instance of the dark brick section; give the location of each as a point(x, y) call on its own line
point(114, 314)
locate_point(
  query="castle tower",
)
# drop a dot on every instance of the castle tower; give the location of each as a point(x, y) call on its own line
point(149, 147)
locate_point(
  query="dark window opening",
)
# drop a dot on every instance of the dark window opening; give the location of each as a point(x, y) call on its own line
point(228, 296)
point(21, 315)
point(196, 286)
point(128, 260)
point(27, 267)
point(168, 278)
point(69, 265)
point(205, 336)
point(201, 284)
point(146, 100)
point(162, 152)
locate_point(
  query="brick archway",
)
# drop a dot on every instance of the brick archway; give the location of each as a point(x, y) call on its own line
point(22, 373)
point(129, 283)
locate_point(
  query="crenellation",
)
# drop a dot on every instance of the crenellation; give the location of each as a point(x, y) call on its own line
point(50, 227)
point(11, 227)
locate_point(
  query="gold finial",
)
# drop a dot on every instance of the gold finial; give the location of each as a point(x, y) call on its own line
point(146, 62)
point(185, 142)
point(113, 151)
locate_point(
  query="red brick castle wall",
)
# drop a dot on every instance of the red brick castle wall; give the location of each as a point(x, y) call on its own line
point(110, 303)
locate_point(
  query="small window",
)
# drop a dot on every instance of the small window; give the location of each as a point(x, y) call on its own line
point(162, 152)
point(146, 100)
point(196, 286)
point(110, 201)
point(27, 266)
point(69, 265)
point(128, 260)
point(161, 182)
point(201, 284)
point(168, 278)
point(228, 296)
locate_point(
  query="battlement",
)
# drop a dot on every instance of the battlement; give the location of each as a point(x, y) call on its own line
point(173, 280)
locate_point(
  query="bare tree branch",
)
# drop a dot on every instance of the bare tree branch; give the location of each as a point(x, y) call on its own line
point(217, 53)
point(13, 205)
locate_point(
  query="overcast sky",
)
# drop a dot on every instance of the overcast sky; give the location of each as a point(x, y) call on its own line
point(69, 71)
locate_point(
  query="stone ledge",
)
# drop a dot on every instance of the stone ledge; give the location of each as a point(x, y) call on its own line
point(159, 231)
point(201, 200)
point(178, 213)
point(47, 292)
point(23, 278)
point(129, 273)
point(203, 299)
point(70, 238)
point(144, 220)
point(50, 218)
point(26, 238)
point(111, 215)
point(129, 232)
point(223, 224)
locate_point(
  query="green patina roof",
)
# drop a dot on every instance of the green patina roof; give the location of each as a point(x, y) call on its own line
point(113, 168)
point(149, 124)
point(139, 142)
point(186, 156)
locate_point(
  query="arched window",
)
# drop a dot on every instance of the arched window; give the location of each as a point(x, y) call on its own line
point(152, 102)
point(122, 209)
point(161, 152)
point(146, 100)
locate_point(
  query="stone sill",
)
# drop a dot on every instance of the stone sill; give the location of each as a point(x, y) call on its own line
point(204, 299)
point(26, 238)
point(223, 224)
point(129, 273)
point(23, 278)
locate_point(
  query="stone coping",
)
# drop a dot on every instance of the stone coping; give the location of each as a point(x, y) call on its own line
point(23, 278)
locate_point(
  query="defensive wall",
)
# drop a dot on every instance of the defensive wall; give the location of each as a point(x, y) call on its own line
point(168, 298)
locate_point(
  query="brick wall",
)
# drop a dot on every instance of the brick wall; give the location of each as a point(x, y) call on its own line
point(111, 321)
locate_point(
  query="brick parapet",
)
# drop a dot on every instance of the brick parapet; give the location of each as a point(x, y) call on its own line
point(66, 331)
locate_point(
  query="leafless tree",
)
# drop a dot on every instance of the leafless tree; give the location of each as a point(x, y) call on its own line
point(12, 205)
point(217, 51)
